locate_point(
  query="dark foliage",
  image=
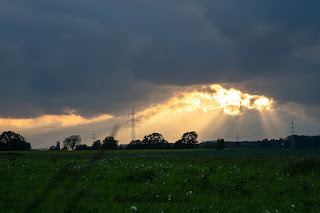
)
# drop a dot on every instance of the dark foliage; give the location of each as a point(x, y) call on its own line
point(220, 144)
point(155, 141)
point(135, 144)
point(187, 141)
point(10, 141)
point(109, 143)
point(208, 145)
point(72, 141)
point(96, 145)
point(82, 147)
point(151, 141)
point(57, 147)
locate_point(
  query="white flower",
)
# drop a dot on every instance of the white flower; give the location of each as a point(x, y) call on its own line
point(190, 192)
point(276, 210)
point(134, 208)
point(293, 206)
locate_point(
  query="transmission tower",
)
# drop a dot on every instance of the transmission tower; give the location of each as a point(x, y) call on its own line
point(292, 134)
point(238, 137)
point(132, 125)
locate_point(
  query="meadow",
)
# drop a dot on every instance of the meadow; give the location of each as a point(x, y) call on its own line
point(200, 180)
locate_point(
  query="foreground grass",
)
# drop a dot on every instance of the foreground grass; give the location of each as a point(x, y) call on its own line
point(233, 180)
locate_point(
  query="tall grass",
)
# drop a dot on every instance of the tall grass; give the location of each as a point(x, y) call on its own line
point(169, 181)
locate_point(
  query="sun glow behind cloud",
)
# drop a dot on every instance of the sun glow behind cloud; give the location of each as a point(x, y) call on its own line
point(209, 110)
point(233, 102)
point(206, 109)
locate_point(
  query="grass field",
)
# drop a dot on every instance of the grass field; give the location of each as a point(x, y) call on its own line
point(230, 180)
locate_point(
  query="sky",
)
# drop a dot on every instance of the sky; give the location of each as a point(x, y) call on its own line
point(79, 66)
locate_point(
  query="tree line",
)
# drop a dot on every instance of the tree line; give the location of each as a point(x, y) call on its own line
point(189, 140)
point(10, 141)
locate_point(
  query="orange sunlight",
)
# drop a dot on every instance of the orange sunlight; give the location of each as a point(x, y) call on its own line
point(52, 121)
point(210, 98)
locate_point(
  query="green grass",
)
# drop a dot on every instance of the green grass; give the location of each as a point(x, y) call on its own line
point(231, 180)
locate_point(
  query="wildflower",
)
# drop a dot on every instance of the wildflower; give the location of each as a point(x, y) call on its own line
point(276, 210)
point(293, 206)
point(190, 192)
point(134, 208)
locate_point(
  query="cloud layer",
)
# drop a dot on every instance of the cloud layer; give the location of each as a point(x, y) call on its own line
point(102, 57)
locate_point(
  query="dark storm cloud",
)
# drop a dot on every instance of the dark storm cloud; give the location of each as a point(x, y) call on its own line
point(101, 56)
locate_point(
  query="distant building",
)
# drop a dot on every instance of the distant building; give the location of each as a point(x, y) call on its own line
point(58, 145)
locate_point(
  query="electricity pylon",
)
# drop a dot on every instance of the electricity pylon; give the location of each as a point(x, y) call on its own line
point(133, 126)
point(238, 137)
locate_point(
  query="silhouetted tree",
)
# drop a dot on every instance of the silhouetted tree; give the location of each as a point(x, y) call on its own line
point(72, 141)
point(187, 141)
point(135, 144)
point(82, 147)
point(13, 141)
point(96, 145)
point(109, 143)
point(154, 141)
point(52, 148)
point(220, 144)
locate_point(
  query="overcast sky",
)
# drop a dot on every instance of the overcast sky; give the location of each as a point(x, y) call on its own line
point(103, 57)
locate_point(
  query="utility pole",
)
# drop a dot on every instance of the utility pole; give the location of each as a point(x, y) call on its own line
point(292, 134)
point(133, 126)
